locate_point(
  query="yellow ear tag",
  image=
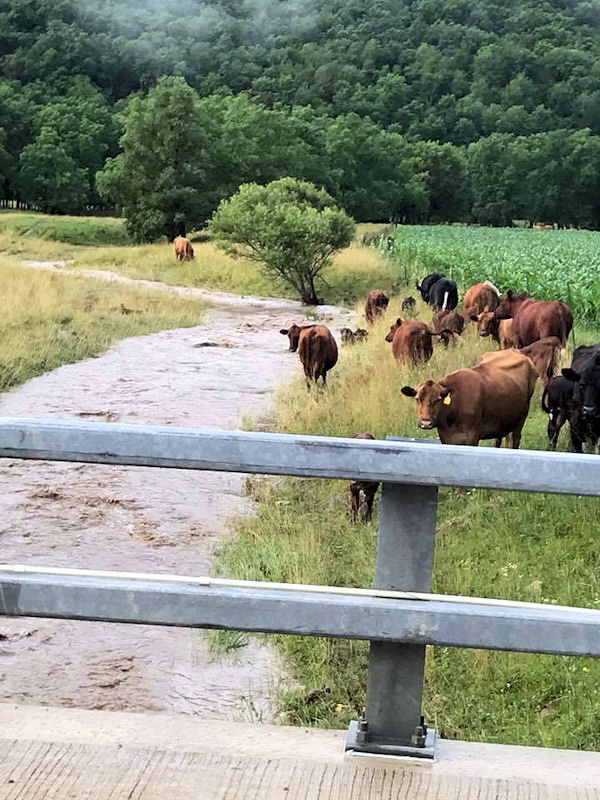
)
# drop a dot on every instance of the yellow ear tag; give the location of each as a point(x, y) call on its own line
point(447, 400)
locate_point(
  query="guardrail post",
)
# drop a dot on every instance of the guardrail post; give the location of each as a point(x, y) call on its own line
point(392, 723)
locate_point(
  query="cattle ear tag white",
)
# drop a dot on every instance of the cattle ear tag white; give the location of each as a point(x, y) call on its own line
point(447, 400)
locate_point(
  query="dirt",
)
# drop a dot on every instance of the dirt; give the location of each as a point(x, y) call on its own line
point(145, 520)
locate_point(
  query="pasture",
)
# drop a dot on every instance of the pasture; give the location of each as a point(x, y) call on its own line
point(506, 545)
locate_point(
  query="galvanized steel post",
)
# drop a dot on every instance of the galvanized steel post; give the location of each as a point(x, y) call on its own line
point(393, 722)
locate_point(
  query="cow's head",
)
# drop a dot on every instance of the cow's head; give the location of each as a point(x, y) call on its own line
point(393, 330)
point(586, 394)
point(293, 334)
point(431, 398)
point(509, 304)
point(487, 323)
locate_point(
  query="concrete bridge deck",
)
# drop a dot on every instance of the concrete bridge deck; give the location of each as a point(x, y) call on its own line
point(60, 753)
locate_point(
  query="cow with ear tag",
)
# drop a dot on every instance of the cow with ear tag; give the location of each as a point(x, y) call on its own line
point(489, 401)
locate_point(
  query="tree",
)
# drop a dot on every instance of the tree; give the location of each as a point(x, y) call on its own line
point(288, 226)
point(159, 179)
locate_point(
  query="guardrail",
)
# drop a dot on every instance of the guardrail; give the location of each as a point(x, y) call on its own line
point(400, 617)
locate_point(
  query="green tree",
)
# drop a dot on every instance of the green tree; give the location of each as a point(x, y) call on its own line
point(159, 179)
point(291, 228)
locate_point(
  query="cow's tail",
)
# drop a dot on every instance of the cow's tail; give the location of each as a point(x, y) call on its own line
point(545, 408)
point(553, 363)
point(446, 295)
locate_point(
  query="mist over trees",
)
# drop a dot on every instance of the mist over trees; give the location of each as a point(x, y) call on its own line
point(420, 110)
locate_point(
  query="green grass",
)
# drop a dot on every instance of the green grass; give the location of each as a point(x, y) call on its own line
point(50, 320)
point(489, 544)
point(70, 230)
point(560, 265)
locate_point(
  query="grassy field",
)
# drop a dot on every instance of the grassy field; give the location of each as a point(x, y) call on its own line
point(49, 320)
point(86, 243)
point(560, 265)
point(506, 545)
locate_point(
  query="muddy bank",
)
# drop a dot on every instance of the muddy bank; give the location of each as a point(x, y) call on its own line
point(127, 518)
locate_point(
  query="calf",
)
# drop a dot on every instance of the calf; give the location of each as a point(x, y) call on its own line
point(450, 321)
point(499, 329)
point(377, 302)
point(409, 305)
point(584, 374)
point(490, 401)
point(544, 354)
point(556, 402)
point(183, 249)
point(368, 488)
point(353, 337)
point(481, 297)
point(411, 341)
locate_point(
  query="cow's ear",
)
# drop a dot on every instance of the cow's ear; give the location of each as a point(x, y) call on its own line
point(571, 375)
point(284, 331)
point(398, 321)
point(409, 391)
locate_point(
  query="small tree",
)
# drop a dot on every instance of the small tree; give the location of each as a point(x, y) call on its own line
point(288, 226)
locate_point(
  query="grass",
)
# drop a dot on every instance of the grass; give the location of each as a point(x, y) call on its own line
point(86, 244)
point(494, 544)
point(49, 320)
point(71, 230)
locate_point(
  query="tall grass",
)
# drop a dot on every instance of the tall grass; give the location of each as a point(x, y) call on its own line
point(71, 230)
point(494, 544)
point(48, 320)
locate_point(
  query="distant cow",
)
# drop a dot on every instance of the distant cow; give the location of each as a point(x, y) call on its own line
point(409, 305)
point(425, 284)
point(481, 297)
point(377, 302)
point(353, 337)
point(318, 352)
point(535, 319)
point(556, 402)
point(183, 249)
point(368, 488)
point(544, 353)
point(490, 401)
point(411, 341)
point(584, 374)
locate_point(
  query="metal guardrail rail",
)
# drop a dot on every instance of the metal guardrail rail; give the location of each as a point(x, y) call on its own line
point(400, 617)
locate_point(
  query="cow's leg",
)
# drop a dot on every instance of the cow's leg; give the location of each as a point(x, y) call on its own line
point(575, 440)
point(369, 500)
point(516, 435)
point(354, 501)
point(498, 441)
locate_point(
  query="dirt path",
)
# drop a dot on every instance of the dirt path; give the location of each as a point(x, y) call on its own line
point(139, 519)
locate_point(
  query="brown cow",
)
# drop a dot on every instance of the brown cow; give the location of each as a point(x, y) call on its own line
point(490, 401)
point(411, 341)
point(183, 249)
point(368, 488)
point(377, 302)
point(448, 321)
point(539, 319)
point(481, 297)
point(318, 352)
point(506, 335)
point(544, 353)
point(499, 329)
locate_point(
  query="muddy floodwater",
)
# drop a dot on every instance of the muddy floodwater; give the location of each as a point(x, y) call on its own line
point(139, 519)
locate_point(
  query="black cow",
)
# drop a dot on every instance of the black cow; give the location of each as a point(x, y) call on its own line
point(556, 402)
point(584, 374)
point(443, 295)
point(424, 286)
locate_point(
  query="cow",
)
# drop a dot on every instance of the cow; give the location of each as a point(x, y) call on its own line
point(481, 297)
point(448, 321)
point(412, 341)
point(535, 319)
point(293, 334)
point(443, 295)
point(425, 284)
point(499, 329)
point(584, 374)
point(318, 352)
point(409, 305)
point(377, 302)
point(556, 402)
point(183, 249)
point(489, 401)
point(544, 353)
point(353, 337)
point(368, 488)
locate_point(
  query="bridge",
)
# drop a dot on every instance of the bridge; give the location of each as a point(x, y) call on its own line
point(390, 751)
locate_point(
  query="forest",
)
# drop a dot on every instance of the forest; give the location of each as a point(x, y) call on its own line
point(410, 110)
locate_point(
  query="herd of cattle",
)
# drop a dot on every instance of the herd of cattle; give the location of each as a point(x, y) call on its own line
point(491, 400)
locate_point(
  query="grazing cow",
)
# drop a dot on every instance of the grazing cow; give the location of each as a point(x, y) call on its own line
point(584, 374)
point(489, 401)
point(409, 305)
point(544, 353)
point(556, 402)
point(377, 302)
point(293, 334)
point(353, 337)
point(448, 321)
point(411, 341)
point(368, 488)
point(318, 352)
point(183, 249)
point(481, 297)
point(424, 286)
point(443, 295)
